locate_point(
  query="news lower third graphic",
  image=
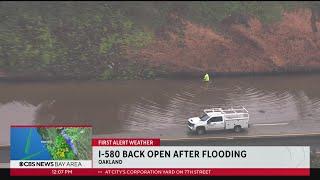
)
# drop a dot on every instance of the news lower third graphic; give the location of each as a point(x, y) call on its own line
point(71, 151)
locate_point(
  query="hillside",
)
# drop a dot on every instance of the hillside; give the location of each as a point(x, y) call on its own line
point(287, 45)
point(134, 40)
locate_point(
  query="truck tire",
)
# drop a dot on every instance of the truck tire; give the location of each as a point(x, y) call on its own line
point(201, 130)
point(237, 129)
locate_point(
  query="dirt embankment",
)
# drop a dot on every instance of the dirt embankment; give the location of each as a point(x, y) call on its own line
point(239, 46)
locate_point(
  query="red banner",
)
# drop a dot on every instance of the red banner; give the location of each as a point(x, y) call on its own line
point(125, 142)
point(163, 172)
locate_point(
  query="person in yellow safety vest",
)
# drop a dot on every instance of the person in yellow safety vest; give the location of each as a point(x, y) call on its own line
point(206, 77)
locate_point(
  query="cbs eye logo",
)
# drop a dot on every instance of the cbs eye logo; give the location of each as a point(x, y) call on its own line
point(26, 164)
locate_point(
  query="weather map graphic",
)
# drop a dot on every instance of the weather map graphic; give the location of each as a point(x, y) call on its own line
point(51, 143)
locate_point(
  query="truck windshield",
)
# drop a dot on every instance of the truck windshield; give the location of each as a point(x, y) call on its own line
point(204, 117)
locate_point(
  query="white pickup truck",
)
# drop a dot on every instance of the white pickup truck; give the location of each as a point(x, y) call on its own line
point(220, 119)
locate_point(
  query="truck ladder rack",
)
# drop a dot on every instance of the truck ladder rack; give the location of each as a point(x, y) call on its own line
point(231, 110)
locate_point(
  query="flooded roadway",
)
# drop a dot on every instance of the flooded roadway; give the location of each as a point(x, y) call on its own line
point(161, 107)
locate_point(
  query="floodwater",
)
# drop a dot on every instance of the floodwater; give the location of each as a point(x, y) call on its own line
point(155, 105)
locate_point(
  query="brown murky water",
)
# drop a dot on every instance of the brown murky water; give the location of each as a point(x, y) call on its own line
point(149, 105)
